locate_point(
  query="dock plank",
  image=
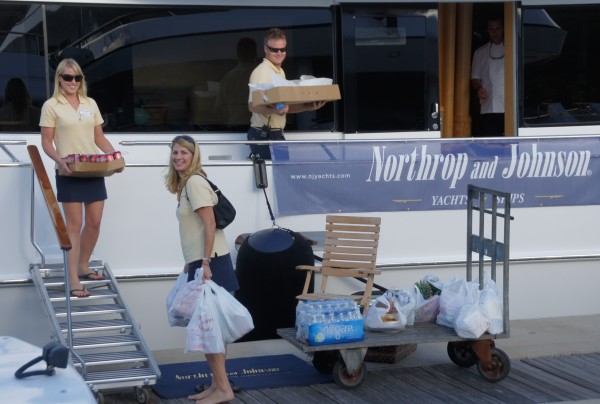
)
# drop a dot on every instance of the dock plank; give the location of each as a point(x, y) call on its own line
point(533, 380)
point(558, 366)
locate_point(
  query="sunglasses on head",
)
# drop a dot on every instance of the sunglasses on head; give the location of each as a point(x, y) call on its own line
point(187, 138)
point(275, 50)
point(70, 77)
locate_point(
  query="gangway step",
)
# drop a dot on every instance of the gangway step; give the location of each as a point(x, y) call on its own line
point(57, 297)
point(121, 378)
point(109, 358)
point(98, 325)
point(105, 341)
point(90, 309)
point(58, 283)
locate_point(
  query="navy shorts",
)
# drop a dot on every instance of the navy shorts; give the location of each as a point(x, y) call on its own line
point(80, 189)
point(257, 134)
point(222, 270)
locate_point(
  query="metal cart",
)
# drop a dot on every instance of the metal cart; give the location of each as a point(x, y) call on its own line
point(485, 208)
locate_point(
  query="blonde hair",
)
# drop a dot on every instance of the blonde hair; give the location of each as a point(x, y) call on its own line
point(175, 182)
point(60, 69)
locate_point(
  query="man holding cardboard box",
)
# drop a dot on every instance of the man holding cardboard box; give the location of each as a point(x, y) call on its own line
point(268, 120)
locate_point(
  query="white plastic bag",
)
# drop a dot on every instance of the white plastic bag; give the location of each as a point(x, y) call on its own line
point(176, 321)
point(456, 293)
point(471, 322)
point(236, 320)
point(204, 330)
point(491, 306)
point(390, 312)
point(185, 301)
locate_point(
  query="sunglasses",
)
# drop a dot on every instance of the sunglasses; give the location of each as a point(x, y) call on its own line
point(275, 50)
point(187, 138)
point(70, 77)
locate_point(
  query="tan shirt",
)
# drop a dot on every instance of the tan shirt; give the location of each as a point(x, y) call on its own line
point(261, 75)
point(197, 194)
point(73, 129)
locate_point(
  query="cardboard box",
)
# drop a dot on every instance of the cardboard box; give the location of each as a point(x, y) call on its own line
point(296, 94)
point(95, 169)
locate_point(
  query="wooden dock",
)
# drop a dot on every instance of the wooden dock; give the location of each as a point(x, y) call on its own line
point(538, 380)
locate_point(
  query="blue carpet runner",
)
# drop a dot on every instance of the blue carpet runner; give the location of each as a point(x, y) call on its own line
point(180, 379)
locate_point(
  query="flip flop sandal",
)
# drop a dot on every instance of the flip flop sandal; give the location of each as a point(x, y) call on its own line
point(92, 276)
point(82, 290)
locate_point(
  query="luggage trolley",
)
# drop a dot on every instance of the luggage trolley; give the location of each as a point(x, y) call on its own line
point(485, 208)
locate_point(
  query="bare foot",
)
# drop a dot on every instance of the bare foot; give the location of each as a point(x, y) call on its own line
point(202, 394)
point(218, 396)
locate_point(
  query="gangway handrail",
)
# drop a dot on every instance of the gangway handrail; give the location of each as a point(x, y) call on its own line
point(51, 202)
point(60, 228)
point(4, 143)
point(342, 140)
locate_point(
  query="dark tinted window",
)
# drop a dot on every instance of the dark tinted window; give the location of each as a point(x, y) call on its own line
point(22, 79)
point(164, 69)
point(561, 82)
point(390, 69)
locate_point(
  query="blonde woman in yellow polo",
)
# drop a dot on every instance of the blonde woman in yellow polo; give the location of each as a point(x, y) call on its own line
point(71, 123)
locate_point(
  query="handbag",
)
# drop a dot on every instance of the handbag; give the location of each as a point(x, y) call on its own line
point(223, 209)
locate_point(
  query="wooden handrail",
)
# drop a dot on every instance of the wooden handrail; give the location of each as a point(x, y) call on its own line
point(50, 198)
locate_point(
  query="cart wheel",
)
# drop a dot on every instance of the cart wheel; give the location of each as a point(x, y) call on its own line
point(141, 394)
point(324, 361)
point(500, 366)
point(346, 381)
point(461, 353)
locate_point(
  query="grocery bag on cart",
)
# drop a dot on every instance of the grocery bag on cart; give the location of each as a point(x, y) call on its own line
point(456, 293)
point(471, 322)
point(390, 312)
point(491, 306)
point(427, 295)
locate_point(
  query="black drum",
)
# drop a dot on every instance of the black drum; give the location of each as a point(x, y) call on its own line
point(269, 281)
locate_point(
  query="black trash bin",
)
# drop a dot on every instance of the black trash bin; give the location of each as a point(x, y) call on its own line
point(269, 281)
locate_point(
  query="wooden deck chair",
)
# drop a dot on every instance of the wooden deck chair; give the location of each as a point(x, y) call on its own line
point(349, 251)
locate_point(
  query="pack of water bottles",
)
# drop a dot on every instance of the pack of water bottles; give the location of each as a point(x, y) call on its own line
point(332, 321)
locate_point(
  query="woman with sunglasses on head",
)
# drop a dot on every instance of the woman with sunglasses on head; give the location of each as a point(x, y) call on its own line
point(268, 121)
point(204, 247)
point(71, 124)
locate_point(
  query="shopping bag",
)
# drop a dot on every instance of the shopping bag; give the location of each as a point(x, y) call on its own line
point(204, 330)
point(174, 320)
point(456, 293)
point(491, 306)
point(427, 294)
point(385, 315)
point(185, 301)
point(471, 322)
point(236, 320)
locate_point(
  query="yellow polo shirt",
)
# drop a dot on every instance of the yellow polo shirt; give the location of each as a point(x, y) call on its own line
point(263, 73)
point(197, 193)
point(74, 129)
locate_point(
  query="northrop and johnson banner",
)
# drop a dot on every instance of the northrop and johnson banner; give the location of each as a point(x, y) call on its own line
point(433, 174)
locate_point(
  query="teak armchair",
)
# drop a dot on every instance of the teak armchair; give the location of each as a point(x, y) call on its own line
point(349, 251)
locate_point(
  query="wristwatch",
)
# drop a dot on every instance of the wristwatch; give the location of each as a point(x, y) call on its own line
point(205, 260)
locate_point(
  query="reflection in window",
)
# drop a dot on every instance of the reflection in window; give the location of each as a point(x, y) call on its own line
point(22, 83)
point(561, 82)
point(164, 69)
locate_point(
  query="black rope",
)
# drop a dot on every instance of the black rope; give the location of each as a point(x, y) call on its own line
point(269, 206)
